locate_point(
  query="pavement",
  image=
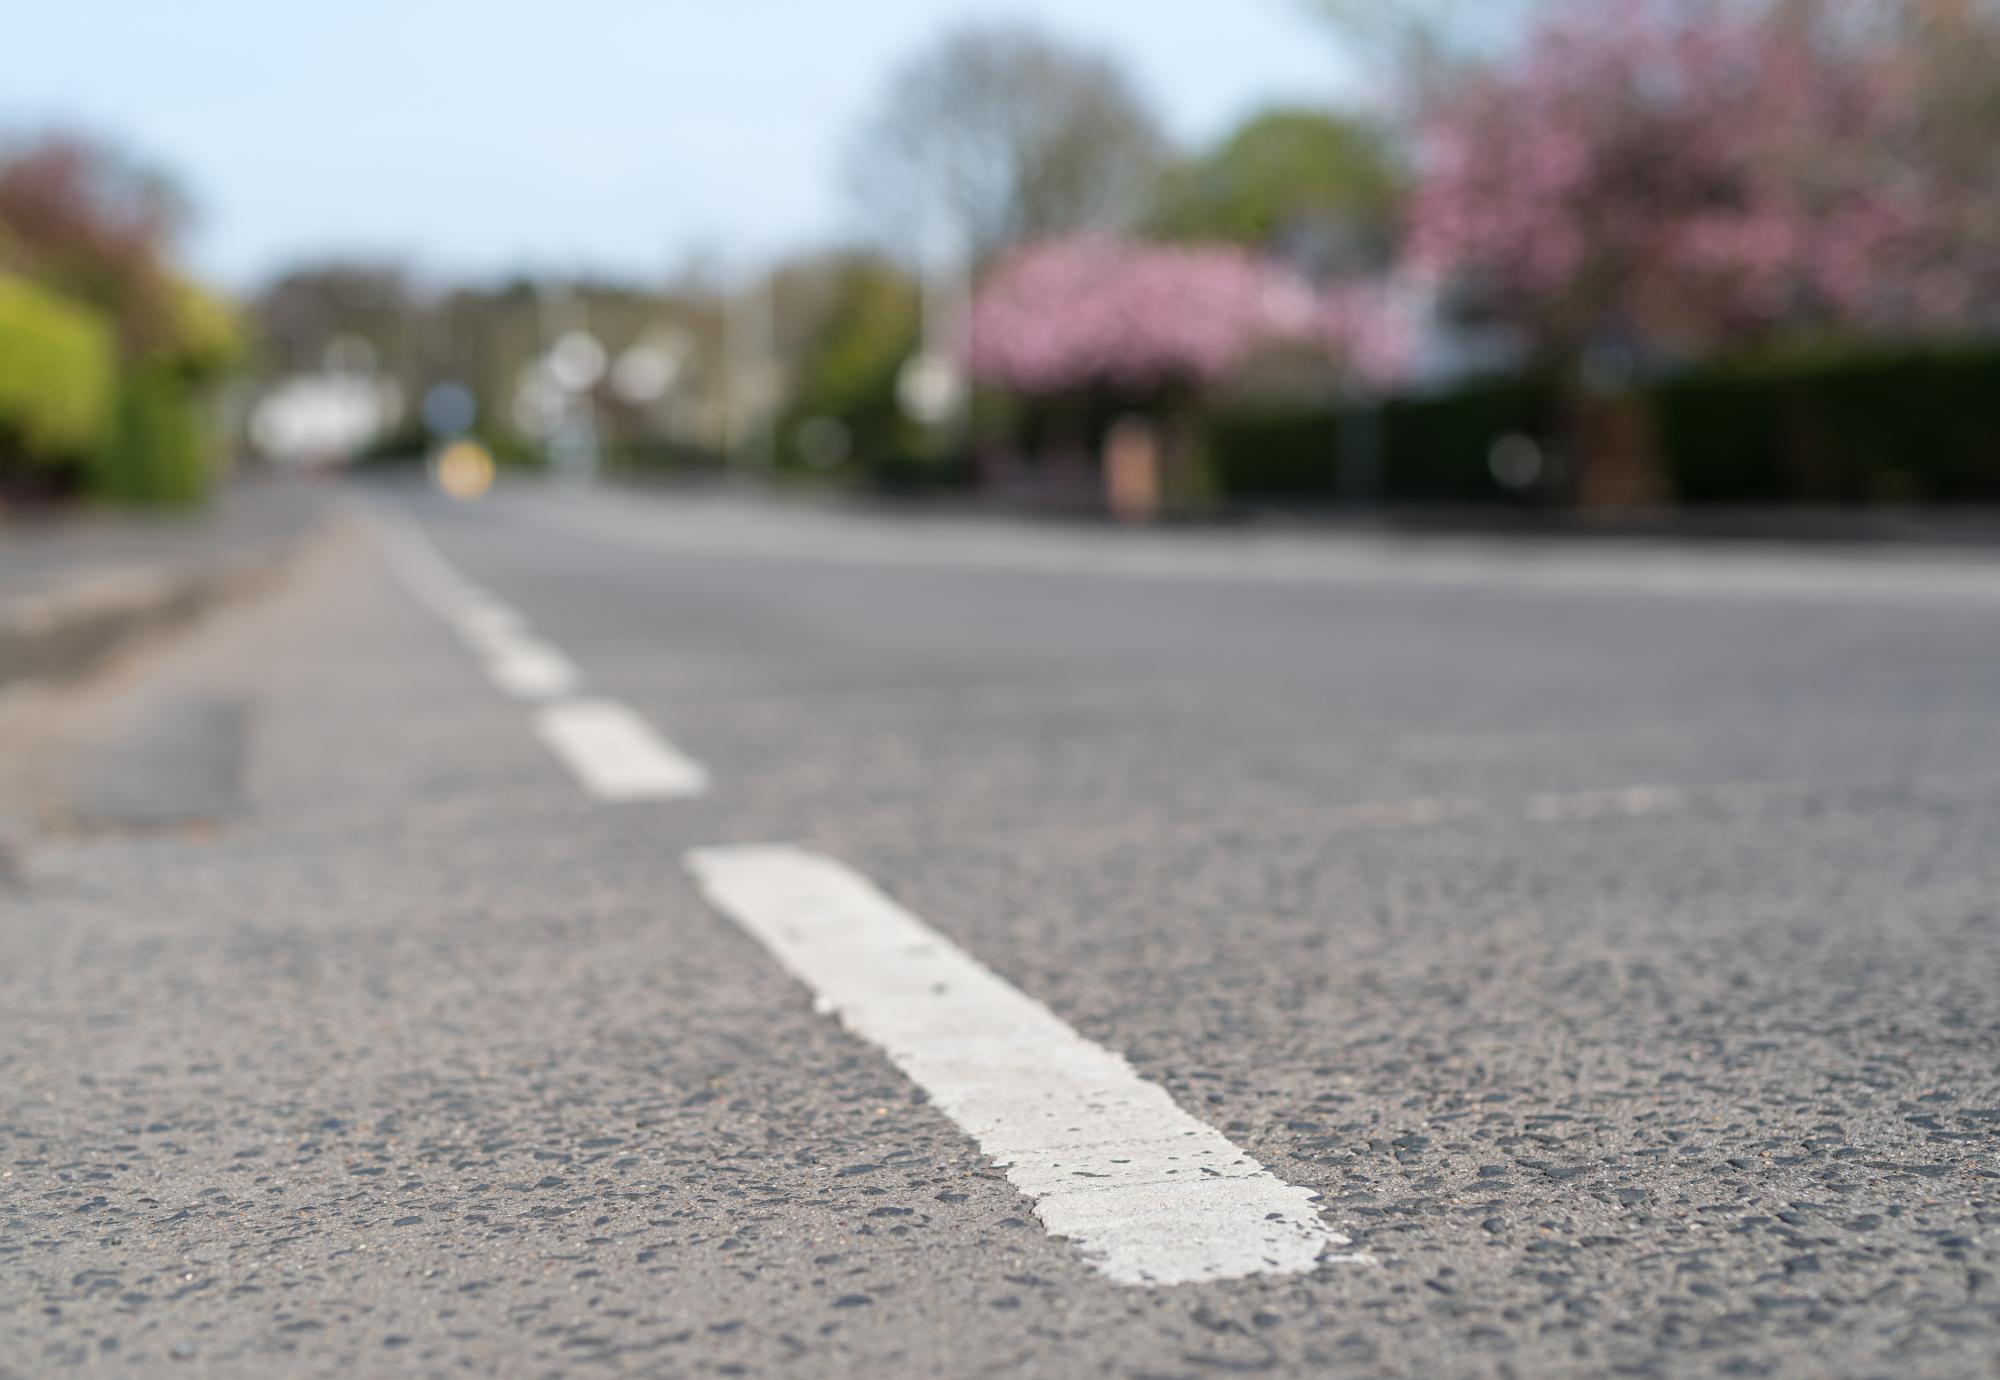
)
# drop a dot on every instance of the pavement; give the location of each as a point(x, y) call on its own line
point(78, 588)
point(1605, 934)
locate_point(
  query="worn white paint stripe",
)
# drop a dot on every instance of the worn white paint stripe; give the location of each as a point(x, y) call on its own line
point(530, 669)
point(515, 659)
point(485, 621)
point(615, 755)
point(437, 586)
point(1149, 1194)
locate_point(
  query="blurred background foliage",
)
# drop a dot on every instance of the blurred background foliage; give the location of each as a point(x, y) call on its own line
point(1304, 184)
point(1550, 253)
point(845, 402)
point(109, 354)
point(57, 379)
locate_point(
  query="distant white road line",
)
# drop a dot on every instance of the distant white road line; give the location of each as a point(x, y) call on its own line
point(1149, 1194)
point(423, 572)
point(533, 671)
point(527, 667)
point(515, 659)
point(615, 754)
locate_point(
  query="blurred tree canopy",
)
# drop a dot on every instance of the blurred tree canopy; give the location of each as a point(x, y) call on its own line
point(299, 313)
point(847, 369)
point(1317, 189)
point(84, 220)
point(993, 136)
point(1687, 177)
point(867, 332)
point(103, 341)
point(57, 376)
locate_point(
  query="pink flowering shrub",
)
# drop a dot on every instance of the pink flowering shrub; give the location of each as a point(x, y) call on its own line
point(1138, 319)
point(1360, 326)
point(1696, 175)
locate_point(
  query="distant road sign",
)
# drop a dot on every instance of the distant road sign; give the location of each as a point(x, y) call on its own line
point(449, 410)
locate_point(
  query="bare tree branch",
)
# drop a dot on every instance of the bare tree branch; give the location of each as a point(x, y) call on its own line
point(996, 135)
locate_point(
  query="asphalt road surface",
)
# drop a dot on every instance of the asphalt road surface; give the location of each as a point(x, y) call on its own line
point(581, 934)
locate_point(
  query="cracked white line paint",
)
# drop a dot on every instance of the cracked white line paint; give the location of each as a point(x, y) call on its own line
point(1149, 1194)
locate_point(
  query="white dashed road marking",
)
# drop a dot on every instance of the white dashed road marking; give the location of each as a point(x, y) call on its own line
point(530, 669)
point(1149, 1194)
point(614, 754)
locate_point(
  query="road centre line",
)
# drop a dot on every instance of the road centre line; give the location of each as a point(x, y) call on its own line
point(514, 658)
point(424, 573)
point(1149, 1194)
point(529, 668)
point(613, 753)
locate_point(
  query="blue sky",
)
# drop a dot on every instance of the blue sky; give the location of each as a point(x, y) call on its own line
point(479, 136)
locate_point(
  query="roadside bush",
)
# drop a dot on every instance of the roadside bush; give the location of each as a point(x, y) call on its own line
point(1273, 450)
point(1439, 449)
point(512, 451)
point(157, 453)
point(201, 335)
point(848, 377)
point(1857, 425)
point(1432, 449)
point(1861, 425)
point(663, 458)
point(912, 472)
point(57, 372)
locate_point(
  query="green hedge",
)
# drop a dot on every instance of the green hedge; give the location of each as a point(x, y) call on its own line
point(157, 454)
point(1439, 450)
point(73, 415)
point(653, 456)
point(1272, 451)
point(57, 372)
point(1914, 423)
point(1430, 449)
point(1860, 425)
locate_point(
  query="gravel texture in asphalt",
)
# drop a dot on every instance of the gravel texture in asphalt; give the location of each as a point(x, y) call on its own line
point(1608, 935)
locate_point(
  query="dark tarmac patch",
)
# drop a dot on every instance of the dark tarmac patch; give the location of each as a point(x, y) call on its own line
point(173, 762)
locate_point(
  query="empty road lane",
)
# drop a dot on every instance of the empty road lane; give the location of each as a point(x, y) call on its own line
point(587, 933)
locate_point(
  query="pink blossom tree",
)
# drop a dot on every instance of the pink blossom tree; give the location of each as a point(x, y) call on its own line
point(1142, 321)
point(1697, 176)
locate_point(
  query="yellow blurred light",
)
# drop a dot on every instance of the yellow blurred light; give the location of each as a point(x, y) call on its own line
point(464, 470)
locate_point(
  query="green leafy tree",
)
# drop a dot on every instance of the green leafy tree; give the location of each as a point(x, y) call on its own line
point(84, 222)
point(1301, 182)
point(57, 372)
point(848, 371)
